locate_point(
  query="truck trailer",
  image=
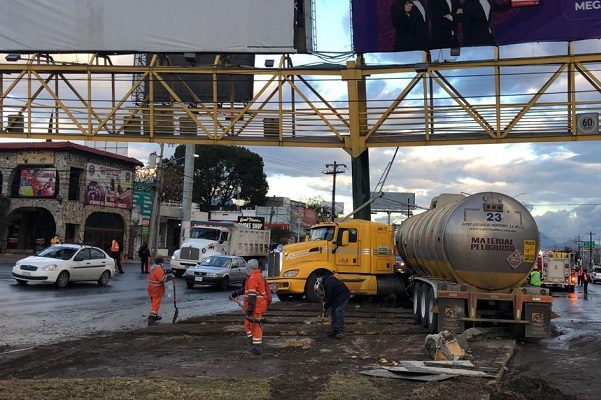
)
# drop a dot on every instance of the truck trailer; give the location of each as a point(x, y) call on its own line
point(220, 238)
point(471, 256)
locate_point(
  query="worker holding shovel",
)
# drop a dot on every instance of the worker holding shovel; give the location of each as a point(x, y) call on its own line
point(156, 288)
point(255, 304)
point(334, 296)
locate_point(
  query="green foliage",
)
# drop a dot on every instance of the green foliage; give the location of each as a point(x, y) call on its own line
point(220, 170)
point(279, 235)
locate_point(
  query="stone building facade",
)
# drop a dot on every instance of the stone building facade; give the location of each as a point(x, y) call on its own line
point(81, 194)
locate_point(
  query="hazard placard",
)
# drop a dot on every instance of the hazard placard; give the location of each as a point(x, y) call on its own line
point(529, 250)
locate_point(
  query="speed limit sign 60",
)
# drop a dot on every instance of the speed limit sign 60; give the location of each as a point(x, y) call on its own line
point(587, 123)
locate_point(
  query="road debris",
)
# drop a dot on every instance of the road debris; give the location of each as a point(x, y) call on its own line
point(444, 346)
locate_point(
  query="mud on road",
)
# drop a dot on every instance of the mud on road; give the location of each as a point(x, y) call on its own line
point(298, 360)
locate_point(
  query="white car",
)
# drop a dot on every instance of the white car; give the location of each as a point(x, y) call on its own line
point(596, 274)
point(64, 263)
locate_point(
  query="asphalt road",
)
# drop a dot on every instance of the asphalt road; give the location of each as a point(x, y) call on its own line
point(39, 314)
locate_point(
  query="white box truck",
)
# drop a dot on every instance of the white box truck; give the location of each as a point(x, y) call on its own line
point(226, 238)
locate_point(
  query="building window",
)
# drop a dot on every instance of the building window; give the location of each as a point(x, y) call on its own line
point(74, 183)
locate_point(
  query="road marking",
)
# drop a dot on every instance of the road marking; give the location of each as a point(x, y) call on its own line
point(16, 351)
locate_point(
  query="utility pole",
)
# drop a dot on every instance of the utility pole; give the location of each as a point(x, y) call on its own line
point(590, 251)
point(155, 218)
point(187, 191)
point(334, 171)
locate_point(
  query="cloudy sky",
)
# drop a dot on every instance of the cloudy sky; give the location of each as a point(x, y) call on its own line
point(558, 181)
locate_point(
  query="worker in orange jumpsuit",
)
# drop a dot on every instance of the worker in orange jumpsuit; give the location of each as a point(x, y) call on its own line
point(156, 288)
point(255, 305)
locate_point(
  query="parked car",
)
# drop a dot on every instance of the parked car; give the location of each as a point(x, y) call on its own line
point(217, 270)
point(64, 263)
point(596, 274)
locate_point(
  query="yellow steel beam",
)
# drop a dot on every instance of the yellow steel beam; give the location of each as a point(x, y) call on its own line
point(352, 118)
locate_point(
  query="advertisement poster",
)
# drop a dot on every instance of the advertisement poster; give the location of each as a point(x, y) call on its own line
point(38, 182)
point(109, 187)
point(406, 25)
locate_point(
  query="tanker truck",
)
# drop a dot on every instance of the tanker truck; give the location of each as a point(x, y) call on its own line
point(471, 256)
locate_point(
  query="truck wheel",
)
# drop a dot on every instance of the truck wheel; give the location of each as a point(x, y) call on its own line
point(178, 273)
point(417, 289)
point(431, 318)
point(423, 304)
point(310, 293)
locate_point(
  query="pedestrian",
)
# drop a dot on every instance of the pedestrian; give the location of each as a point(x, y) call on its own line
point(334, 296)
point(580, 276)
point(55, 240)
point(156, 288)
point(585, 280)
point(144, 254)
point(534, 277)
point(116, 255)
point(255, 305)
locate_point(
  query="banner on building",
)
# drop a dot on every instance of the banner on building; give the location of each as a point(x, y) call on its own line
point(108, 186)
point(405, 25)
point(38, 182)
point(252, 222)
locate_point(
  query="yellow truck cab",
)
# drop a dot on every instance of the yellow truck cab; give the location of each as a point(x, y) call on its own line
point(360, 253)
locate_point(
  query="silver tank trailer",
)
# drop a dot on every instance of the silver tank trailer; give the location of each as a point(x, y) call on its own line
point(488, 240)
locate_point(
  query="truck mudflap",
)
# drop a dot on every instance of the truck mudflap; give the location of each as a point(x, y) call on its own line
point(451, 314)
point(538, 316)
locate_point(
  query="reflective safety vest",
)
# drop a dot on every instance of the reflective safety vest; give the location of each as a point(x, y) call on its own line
point(535, 278)
point(156, 281)
point(115, 246)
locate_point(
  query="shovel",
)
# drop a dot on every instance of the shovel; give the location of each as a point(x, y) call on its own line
point(251, 319)
point(175, 314)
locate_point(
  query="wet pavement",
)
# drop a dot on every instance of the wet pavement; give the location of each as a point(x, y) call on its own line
point(41, 314)
point(571, 358)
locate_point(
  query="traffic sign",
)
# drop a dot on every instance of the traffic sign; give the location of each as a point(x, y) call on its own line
point(587, 123)
point(588, 245)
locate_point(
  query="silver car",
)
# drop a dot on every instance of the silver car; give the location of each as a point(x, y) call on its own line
point(217, 270)
point(596, 274)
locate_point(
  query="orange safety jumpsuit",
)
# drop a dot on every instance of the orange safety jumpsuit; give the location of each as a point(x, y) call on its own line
point(156, 288)
point(255, 298)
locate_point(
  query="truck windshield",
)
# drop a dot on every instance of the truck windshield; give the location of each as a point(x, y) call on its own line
point(205, 233)
point(322, 233)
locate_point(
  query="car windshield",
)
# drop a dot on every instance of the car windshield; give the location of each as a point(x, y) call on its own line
point(62, 253)
point(597, 270)
point(215, 262)
point(322, 233)
point(205, 233)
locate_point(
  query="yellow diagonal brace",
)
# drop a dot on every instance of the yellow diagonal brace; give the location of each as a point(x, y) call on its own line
point(533, 101)
point(137, 83)
point(60, 103)
point(589, 76)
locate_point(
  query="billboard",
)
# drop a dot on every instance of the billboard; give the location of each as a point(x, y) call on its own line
point(252, 222)
point(405, 25)
point(153, 26)
point(37, 182)
point(108, 186)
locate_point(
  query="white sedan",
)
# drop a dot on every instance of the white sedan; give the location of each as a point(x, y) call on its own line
point(64, 263)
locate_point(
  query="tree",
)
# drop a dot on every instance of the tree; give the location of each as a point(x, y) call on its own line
point(173, 181)
point(322, 213)
point(223, 173)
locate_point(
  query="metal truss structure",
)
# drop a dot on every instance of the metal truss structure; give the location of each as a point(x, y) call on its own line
point(353, 106)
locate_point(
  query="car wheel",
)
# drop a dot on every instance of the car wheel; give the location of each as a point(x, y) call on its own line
point(104, 278)
point(21, 282)
point(190, 284)
point(225, 283)
point(62, 280)
point(178, 272)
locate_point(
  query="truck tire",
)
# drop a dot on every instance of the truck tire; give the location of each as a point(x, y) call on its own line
point(431, 318)
point(310, 293)
point(178, 272)
point(417, 289)
point(423, 304)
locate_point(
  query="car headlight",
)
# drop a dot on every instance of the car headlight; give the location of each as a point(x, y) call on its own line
point(49, 267)
point(212, 275)
point(189, 272)
point(291, 274)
